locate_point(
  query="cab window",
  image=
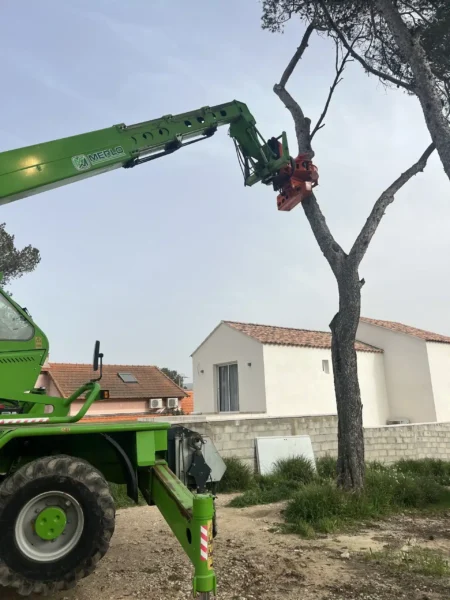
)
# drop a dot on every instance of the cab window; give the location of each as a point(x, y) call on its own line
point(13, 326)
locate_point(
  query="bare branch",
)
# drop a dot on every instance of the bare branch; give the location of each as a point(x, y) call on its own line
point(330, 248)
point(357, 57)
point(337, 80)
point(302, 123)
point(387, 197)
point(297, 56)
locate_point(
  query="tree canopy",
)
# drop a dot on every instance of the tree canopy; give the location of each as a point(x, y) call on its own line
point(174, 376)
point(14, 262)
point(361, 26)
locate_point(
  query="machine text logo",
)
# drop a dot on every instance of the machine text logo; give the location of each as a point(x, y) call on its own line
point(82, 162)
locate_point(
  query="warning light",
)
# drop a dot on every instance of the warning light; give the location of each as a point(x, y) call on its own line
point(104, 394)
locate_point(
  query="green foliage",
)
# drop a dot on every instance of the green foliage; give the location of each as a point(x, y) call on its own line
point(174, 376)
point(237, 478)
point(297, 469)
point(439, 470)
point(326, 467)
point(316, 504)
point(360, 23)
point(14, 262)
point(420, 561)
point(119, 494)
point(326, 508)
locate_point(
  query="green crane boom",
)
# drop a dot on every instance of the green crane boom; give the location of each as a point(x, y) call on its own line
point(33, 169)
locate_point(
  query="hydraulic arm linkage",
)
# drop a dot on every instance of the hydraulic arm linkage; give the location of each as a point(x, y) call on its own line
point(34, 169)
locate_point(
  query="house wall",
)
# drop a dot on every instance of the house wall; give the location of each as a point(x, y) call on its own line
point(236, 437)
point(112, 407)
point(296, 383)
point(439, 362)
point(408, 378)
point(44, 380)
point(226, 345)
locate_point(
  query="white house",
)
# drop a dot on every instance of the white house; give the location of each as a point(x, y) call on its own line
point(416, 367)
point(245, 368)
point(278, 371)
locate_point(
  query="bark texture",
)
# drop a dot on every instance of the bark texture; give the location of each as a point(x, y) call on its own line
point(351, 460)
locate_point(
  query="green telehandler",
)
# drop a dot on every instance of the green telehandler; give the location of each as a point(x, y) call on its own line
point(57, 514)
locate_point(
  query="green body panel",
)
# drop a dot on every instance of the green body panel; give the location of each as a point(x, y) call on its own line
point(187, 515)
point(145, 448)
point(20, 360)
point(34, 169)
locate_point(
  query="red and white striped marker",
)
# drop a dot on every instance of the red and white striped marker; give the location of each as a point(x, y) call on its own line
point(203, 542)
point(21, 421)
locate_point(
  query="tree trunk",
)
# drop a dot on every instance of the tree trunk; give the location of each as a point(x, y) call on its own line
point(350, 465)
point(424, 85)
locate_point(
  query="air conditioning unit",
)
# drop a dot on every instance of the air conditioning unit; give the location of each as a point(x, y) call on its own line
point(155, 403)
point(398, 422)
point(172, 402)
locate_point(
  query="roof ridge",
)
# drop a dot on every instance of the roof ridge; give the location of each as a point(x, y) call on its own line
point(276, 327)
point(411, 330)
point(65, 364)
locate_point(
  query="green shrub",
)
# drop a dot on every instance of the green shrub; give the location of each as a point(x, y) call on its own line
point(237, 478)
point(121, 499)
point(421, 561)
point(266, 490)
point(297, 468)
point(326, 467)
point(326, 508)
point(427, 467)
point(315, 502)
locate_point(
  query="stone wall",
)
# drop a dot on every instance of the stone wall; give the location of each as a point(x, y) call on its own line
point(236, 437)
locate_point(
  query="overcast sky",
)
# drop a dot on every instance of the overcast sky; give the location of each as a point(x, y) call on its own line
point(150, 260)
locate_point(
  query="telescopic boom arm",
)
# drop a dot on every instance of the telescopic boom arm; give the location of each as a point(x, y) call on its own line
point(34, 169)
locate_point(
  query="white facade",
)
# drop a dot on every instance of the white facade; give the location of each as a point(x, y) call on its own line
point(405, 377)
point(224, 346)
point(297, 384)
point(407, 373)
point(278, 380)
point(417, 372)
point(439, 361)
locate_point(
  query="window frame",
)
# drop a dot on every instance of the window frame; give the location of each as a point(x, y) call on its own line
point(218, 390)
point(8, 302)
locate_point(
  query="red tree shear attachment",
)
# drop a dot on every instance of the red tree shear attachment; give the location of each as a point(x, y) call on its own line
point(296, 182)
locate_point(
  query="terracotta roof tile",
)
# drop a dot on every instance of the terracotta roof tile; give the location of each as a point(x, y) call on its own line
point(287, 336)
point(152, 383)
point(428, 336)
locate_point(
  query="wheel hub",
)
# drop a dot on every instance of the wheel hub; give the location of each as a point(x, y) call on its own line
point(49, 526)
point(50, 523)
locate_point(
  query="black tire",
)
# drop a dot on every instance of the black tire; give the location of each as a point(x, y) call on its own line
point(88, 487)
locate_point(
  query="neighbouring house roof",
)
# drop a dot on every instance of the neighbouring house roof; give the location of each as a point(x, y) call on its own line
point(151, 382)
point(427, 336)
point(287, 336)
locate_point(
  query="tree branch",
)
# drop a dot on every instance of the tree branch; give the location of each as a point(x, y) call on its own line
point(337, 80)
point(302, 123)
point(357, 57)
point(330, 248)
point(387, 197)
point(297, 56)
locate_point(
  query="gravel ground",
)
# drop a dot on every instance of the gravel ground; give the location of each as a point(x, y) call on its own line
point(255, 563)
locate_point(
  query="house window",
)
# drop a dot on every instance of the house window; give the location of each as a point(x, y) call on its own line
point(13, 326)
point(326, 366)
point(127, 377)
point(228, 388)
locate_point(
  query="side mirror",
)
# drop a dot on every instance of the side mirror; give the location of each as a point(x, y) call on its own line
point(96, 356)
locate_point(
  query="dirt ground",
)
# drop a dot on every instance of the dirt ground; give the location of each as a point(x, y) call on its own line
point(255, 563)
